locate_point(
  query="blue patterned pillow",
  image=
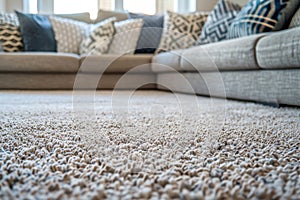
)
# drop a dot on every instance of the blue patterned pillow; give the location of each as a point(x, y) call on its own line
point(259, 16)
point(151, 32)
point(218, 22)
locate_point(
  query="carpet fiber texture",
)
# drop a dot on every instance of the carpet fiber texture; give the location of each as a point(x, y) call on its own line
point(150, 145)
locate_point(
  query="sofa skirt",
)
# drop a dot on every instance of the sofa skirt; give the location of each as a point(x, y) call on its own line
point(54, 81)
point(275, 87)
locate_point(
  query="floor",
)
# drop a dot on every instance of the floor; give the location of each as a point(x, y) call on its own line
point(145, 145)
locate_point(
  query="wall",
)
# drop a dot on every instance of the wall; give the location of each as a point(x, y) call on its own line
point(208, 5)
point(2, 6)
point(12, 5)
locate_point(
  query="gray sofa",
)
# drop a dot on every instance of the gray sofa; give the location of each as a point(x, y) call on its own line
point(260, 68)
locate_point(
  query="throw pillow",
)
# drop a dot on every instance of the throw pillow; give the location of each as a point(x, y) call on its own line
point(37, 32)
point(181, 30)
point(9, 18)
point(295, 20)
point(98, 41)
point(259, 16)
point(126, 37)
point(68, 34)
point(287, 14)
point(10, 36)
point(105, 14)
point(83, 17)
point(218, 21)
point(151, 32)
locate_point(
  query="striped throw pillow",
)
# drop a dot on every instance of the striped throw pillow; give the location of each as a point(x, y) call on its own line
point(259, 16)
point(10, 36)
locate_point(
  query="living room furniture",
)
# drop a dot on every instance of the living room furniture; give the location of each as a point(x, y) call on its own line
point(261, 68)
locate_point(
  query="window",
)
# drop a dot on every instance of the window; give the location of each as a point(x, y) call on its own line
point(138, 6)
point(107, 4)
point(185, 6)
point(31, 6)
point(76, 6)
point(92, 6)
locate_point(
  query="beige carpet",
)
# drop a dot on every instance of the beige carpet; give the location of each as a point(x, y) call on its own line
point(153, 145)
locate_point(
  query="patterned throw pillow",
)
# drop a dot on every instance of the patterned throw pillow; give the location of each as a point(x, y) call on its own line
point(98, 41)
point(126, 37)
point(218, 22)
point(259, 16)
point(181, 30)
point(295, 20)
point(68, 34)
point(10, 36)
point(9, 18)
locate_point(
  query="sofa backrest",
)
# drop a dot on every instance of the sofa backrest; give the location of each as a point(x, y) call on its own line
point(295, 22)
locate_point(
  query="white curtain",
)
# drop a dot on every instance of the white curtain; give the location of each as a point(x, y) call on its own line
point(106, 4)
point(163, 5)
point(45, 6)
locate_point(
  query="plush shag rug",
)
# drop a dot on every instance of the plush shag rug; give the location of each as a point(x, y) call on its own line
point(151, 145)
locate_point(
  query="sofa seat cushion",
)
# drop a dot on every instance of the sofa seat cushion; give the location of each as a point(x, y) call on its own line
point(280, 50)
point(110, 63)
point(39, 62)
point(235, 54)
point(167, 62)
